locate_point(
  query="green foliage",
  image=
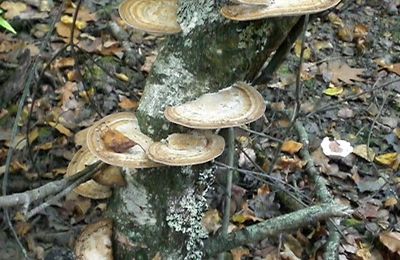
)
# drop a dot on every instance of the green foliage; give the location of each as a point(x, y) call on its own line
point(6, 25)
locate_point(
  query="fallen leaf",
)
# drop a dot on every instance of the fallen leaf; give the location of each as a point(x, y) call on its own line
point(345, 33)
point(390, 202)
point(65, 30)
point(360, 31)
point(306, 51)
point(244, 215)
point(63, 63)
point(291, 147)
point(340, 71)
point(335, 20)
point(395, 68)
point(116, 141)
point(69, 20)
point(239, 252)
point(364, 152)
point(391, 160)
point(211, 221)
point(287, 164)
point(60, 128)
point(128, 104)
point(122, 76)
point(391, 240)
point(333, 91)
point(84, 14)
point(397, 132)
point(13, 8)
point(364, 253)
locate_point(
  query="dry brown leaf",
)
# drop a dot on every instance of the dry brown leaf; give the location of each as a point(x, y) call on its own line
point(390, 202)
point(116, 141)
point(128, 104)
point(244, 215)
point(340, 71)
point(291, 147)
point(60, 128)
point(239, 252)
point(364, 152)
point(64, 62)
point(364, 253)
point(287, 164)
point(391, 240)
point(211, 221)
point(360, 31)
point(13, 8)
point(23, 228)
point(64, 31)
point(84, 14)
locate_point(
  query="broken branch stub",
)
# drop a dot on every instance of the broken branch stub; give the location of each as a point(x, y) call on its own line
point(229, 107)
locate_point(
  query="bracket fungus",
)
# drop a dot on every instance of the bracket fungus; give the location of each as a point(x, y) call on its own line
point(90, 189)
point(255, 2)
point(153, 16)
point(95, 242)
point(232, 106)
point(187, 149)
point(246, 12)
point(125, 123)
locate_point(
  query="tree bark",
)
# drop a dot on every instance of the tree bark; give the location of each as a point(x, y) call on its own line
point(159, 212)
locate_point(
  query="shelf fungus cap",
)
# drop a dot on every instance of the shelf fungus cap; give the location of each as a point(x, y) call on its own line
point(246, 12)
point(187, 149)
point(90, 189)
point(95, 241)
point(255, 2)
point(233, 106)
point(153, 16)
point(126, 124)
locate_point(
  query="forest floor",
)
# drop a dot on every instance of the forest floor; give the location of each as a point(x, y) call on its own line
point(351, 92)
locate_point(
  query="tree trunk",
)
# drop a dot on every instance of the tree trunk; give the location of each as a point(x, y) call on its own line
point(159, 212)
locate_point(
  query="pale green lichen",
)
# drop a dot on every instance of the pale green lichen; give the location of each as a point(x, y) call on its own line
point(185, 215)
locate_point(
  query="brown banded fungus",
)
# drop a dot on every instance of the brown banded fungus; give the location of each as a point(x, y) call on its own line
point(232, 106)
point(95, 242)
point(127, 124)
point(255, 2)
point(90, 189)
point(246, 12)
point(153, 16)
point(187, 149)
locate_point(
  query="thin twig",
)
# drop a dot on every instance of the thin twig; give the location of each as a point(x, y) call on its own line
point(228, 190)
point(86, 176)
point(27, 197)
point(351, 97)
point(298, 92)
point(15, 128)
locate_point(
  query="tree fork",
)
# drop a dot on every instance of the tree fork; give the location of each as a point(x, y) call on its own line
point(159, 212)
